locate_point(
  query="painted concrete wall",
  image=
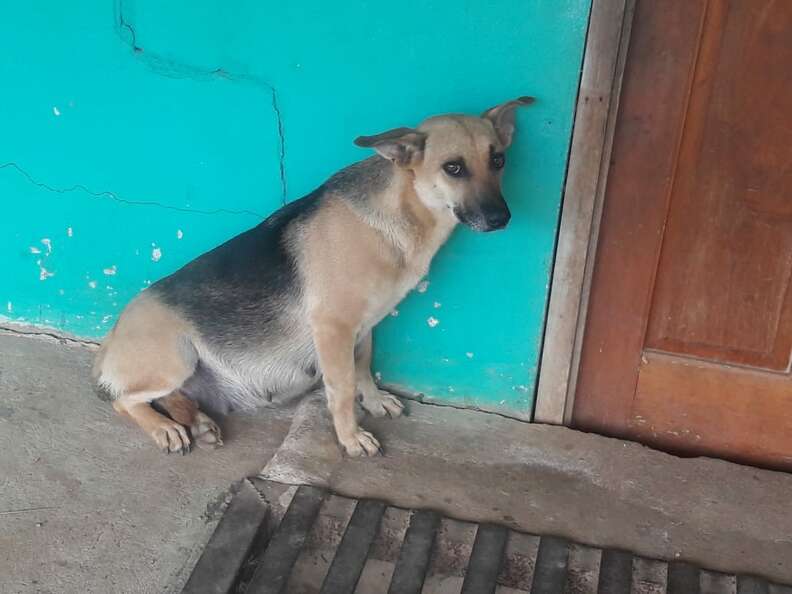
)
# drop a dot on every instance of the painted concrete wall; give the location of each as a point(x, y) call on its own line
point(135, 135)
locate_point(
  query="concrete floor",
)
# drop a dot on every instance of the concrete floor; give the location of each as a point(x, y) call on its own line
point(87, 504)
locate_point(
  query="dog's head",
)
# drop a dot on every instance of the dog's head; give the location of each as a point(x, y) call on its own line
point(457, 162)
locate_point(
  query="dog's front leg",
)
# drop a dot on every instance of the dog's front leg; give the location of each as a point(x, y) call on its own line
point(377, 402)
point(335, 349)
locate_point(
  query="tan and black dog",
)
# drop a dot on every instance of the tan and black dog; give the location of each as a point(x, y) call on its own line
point(271, 312)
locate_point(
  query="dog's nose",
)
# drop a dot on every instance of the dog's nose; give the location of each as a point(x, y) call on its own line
point(497, 219)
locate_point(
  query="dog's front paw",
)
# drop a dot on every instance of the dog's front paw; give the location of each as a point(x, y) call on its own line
point(361, 443)
point(379, 403)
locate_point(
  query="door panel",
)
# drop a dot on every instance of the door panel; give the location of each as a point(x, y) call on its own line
point(689, 334)
point(687, 405)
point(723, 282)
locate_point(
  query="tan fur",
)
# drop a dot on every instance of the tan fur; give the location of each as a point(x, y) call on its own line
point(143, 357)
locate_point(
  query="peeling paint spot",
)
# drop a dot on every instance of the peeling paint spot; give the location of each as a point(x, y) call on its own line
point(44, 274)
point(47, 244)
point(432, 321)
point(423, 286)
point(395, 313)
point(106, 318)
point(9, 307)
point(179, 234)
point(92, 284)
point(156, 254)
point(378, 376)
point(451, 389)
point(70, 232)
point(55, 111)
point(437, 305)
point(34, 250)
point(469, 355)
point(110, 271)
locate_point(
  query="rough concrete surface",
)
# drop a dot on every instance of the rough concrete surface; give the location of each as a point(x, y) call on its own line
point(552, 480)
point(87, 503)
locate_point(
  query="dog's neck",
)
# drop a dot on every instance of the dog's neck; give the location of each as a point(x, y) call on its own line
point(384, 197)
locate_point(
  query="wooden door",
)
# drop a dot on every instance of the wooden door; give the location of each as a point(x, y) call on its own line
point(689, 329)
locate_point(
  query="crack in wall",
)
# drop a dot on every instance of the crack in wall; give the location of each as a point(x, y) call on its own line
point(173, 69)
point(282, 140)
point(117, 198)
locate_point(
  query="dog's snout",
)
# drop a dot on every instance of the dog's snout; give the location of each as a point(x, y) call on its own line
point(497, 219)
point(495, 213)
point(485, 215)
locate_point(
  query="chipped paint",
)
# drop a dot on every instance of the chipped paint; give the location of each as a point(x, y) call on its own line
point(9, 307)
point(47, 243)
point(44, 274)
point(110, 271)
point(34, 250)
point(469, 355)
point(156, 254)
point(432, 321)
point(395, 313)
point(92, 284)
point(69, 232)
point(422, 286)
point(437, 305)
point(55, 111)
point(179, 234)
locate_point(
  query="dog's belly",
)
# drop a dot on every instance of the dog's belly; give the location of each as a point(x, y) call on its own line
point(227, 380)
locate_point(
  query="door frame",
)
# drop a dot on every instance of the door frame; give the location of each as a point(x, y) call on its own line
point(607, 42)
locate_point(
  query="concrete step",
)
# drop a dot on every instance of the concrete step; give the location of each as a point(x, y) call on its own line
point(542, 479)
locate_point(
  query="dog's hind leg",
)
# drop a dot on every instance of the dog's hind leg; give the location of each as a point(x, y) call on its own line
point(184, 411)
point(148, 356)
point(169, 435)
point(377, 402)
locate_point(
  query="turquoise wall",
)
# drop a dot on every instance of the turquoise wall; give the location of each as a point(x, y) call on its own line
point(135, 135)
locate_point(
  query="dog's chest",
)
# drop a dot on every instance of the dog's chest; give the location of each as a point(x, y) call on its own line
point(384, 302)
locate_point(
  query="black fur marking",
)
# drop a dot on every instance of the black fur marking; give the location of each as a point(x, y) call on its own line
point(359, 181)
point(234, 293)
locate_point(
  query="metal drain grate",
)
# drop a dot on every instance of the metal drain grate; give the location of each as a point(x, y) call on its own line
point(275, 539)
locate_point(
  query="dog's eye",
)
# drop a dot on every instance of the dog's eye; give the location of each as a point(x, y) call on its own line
point(498, 160)
point(455, 168)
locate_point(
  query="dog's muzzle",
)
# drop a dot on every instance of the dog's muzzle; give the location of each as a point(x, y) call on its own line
point(489, 216)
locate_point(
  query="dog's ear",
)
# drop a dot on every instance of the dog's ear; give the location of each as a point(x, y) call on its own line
point(403, 146)
point(502, 118)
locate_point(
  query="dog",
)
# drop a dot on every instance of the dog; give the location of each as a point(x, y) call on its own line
point(291, 302)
